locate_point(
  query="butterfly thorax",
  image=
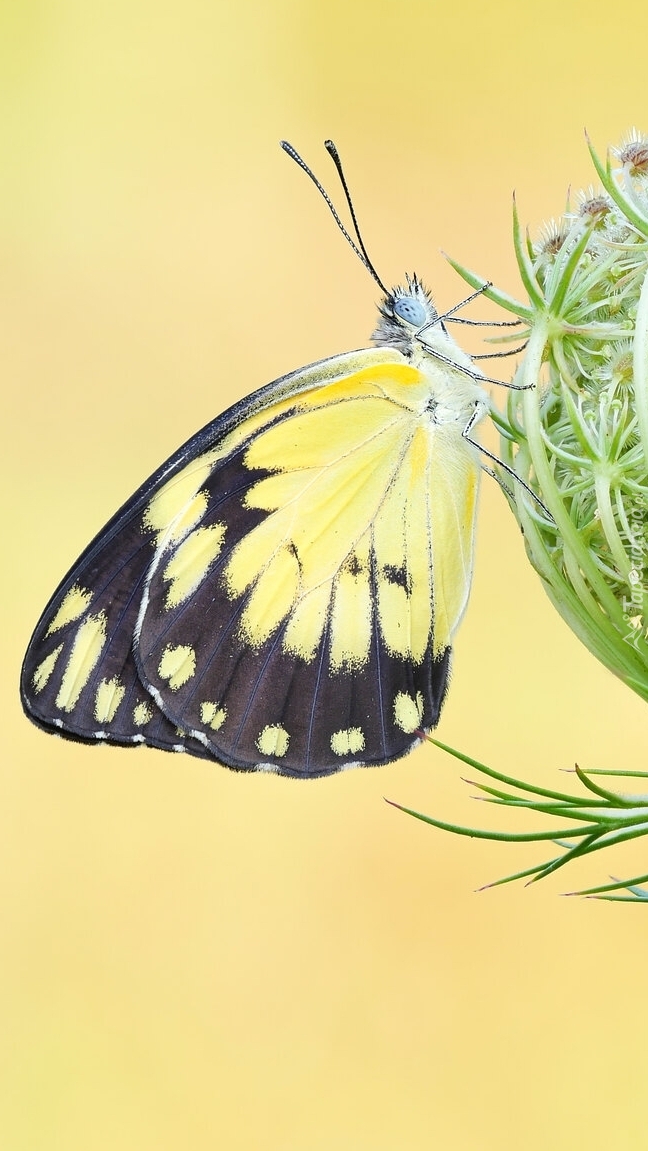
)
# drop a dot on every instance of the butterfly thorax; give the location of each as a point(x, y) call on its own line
point(410, 323)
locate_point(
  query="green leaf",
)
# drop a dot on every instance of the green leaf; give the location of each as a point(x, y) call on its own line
point(480, 833)
point(502, 299)
point(527, 273)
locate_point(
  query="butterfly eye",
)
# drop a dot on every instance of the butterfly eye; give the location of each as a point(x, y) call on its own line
point(410, 310)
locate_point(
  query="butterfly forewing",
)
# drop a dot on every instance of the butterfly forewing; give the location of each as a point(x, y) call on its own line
point(291, 627)
point(266, 598)
point(78, 676)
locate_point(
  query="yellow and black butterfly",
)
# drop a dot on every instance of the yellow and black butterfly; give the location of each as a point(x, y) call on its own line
point(283, 592)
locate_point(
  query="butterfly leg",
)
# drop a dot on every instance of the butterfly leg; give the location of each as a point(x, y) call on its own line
point(475, 416)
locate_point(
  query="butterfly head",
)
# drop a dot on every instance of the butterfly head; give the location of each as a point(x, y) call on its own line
point(403, 313)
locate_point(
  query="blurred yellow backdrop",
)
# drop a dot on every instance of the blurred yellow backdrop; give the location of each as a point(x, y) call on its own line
point(191, 958)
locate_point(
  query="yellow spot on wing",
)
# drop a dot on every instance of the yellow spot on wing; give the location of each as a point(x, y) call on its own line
point(452, 514)
point(273, 740)
point(408, 712)
point(394, 614)
point(191, 515)
point(213, 714)
point(351, 615)
point(417, 519)
point(347, 741)
point(177, 665)
point(74, 604)
point(142, 713)
point(402, 548)
point(108, 698)
point(280, 489)
point(305, 627)
point(45, 669)
point(253, 553)
point(271, 599)
point(179, 504)
point(190, 563)
point(88, 643)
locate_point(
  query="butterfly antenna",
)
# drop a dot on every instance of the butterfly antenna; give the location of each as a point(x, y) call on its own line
point(359, 251)
point(335, 156)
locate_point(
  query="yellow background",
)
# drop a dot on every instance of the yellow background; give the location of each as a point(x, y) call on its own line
point(192, 958)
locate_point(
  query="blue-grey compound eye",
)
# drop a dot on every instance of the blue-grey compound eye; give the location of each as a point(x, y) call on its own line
point(410, 310)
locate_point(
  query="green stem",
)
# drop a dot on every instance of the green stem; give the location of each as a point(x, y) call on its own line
point(640, 365)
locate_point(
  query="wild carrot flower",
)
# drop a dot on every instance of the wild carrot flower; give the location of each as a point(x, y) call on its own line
point(577, 436)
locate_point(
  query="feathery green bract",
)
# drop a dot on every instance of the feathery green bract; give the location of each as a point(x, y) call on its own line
point(577, 436)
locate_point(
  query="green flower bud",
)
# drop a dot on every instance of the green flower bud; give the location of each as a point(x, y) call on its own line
point(578, 434)
point(575, 435)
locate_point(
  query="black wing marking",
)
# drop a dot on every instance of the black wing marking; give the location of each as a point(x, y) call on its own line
point(263, 707)
point(248, 707)
point(107, 581)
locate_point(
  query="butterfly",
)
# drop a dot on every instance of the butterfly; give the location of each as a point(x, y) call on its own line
point(282, 594)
